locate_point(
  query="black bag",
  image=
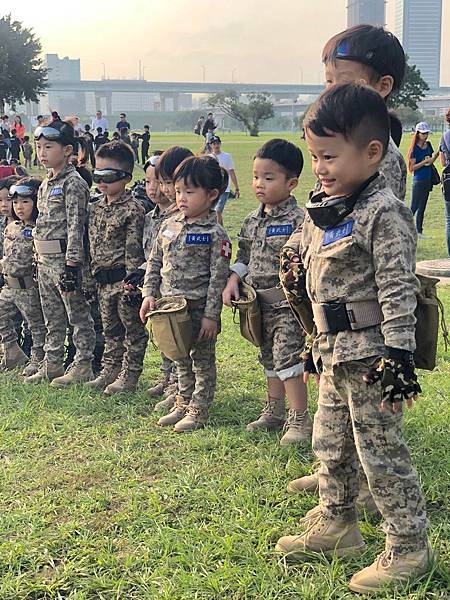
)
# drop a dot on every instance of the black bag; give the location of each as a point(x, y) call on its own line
point(435, 177)
point(446, 182)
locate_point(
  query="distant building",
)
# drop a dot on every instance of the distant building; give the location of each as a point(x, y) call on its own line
point(418, 27)
point(64, 69)
point(371, 12)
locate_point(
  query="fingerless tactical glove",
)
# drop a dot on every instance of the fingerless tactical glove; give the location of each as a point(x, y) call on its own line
point(70, 280)
point(397, 376)
point(135, 278)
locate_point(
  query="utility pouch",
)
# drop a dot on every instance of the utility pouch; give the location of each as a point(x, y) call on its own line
point(171, 327)
point(427, 324)
point(249, 314)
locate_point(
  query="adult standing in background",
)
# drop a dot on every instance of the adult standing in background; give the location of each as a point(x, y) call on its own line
point(209, 125)
point(99, 121)
point(199, 126)
point(225, 160)
point(122, 123)
point(420, 159)
point(19, 127)
point(444, 152)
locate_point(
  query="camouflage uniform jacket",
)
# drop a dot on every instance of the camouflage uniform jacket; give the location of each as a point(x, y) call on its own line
point(18, 250)
point(394, 170)
point(2, 233)
point(152, 224)
point(190, 260)
point(115, 233)
point(260, 240)
point(62, 204)
point(370, 256)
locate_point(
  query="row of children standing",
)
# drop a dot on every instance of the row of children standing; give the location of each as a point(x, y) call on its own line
point(356, 244)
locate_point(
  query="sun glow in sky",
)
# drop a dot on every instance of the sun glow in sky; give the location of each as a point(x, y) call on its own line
point(180, 40)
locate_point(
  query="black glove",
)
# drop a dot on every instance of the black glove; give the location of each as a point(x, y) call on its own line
point(70, 280)
point(132, 297)
point(308, 363)
point(135, 278)
point(397, 376)
point(2, 280)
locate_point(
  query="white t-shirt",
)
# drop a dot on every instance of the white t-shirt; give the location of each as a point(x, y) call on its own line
point(225, 160)
point(102, 122)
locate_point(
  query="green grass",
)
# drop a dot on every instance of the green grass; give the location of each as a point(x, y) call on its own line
point(98, 502)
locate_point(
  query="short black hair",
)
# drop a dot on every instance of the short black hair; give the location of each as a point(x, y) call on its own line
point(379, 50)
point(122, 115)
point(67, 132)
point(203, 172)
point(146, 126)
point(33, 182)
point(7, 182)
point(88, 127)
point(355, 111)
point(287, 155)
point(169, 161)
point(118, 151)
point(26, 138)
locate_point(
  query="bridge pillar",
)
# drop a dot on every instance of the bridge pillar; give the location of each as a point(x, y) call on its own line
point(108, 103)
point(176, 102)
point(98, 101)
point(162, 98)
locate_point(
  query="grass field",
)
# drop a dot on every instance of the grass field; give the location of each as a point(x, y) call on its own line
point(97, 502)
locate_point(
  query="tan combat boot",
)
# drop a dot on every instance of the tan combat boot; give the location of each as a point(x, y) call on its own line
point(390, 570)
point(47, 372)
point(298, 428)
point(166, 404)
point(272, 417)
point(195, 418)
point(126, 382)
point(325, 535)
point(177, 412)
point(104, 378)
point(160, 385)
point(37, 356)
point(308, 484)
point(13, 357)
point(78, 372)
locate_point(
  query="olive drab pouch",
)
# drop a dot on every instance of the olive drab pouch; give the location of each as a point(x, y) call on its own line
point(250, 322)
point(293, 281)
point(427, 325)
point(171, 327)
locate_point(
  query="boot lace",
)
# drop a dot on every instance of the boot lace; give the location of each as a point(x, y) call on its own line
point(295, 419)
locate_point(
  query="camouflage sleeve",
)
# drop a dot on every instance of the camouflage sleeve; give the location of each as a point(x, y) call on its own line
point(394, 254)
point(76, 197)
point(294, 241)
point(152, 278)
point(243, 252)
point(134, 250)
point(219, 268)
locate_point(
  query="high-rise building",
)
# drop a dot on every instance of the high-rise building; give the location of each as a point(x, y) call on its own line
point(371, 12)
point(64, 69)
point(418, 27)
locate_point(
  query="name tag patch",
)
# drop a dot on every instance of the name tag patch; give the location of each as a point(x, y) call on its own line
point(202, 239)
point(333, 234)
point(56, 191)
point(273, 230)
point(28, 233)
point(168, 233)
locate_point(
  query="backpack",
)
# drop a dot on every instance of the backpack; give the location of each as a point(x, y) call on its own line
point(445, 178)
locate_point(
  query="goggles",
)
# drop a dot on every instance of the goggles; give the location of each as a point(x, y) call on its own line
point(109, 175)
point(328, 212)
point(53, 135)
point(21, 190)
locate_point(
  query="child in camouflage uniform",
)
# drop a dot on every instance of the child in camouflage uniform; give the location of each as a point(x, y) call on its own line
point(276, 169)
point(116, 223)
point(358, 246)
point(58, 241)
point(190, 258)
point(5, 205)
point(19, 289)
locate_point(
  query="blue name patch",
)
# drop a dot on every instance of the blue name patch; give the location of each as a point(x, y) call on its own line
point(198, 238)
point(27, 233)
point(333, 234)
point(273, 230)
point(56, 191)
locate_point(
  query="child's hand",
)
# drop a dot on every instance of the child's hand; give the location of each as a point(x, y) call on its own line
point(208, 330)
point(147, 305)
point(231, 291)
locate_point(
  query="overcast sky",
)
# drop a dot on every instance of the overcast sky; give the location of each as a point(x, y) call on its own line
point(247, 40)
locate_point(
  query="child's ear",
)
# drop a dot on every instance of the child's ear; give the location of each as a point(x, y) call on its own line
point(213, 195)
point(68, 151)
point(292, 183)
point(375, 151)
point(384, 85)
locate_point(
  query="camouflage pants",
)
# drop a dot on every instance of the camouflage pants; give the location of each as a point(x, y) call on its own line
point(125, 335)
point(349, 424)
point(197, 374)
point(61, 309)
point(28, 303)
point(283, 342)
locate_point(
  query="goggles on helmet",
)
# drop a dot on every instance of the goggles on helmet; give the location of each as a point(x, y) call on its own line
point(22, 190)
point(109, 175)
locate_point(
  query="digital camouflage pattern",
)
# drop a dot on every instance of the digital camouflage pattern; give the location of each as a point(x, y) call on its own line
point(115, 233)
point(260, 240)
point(18, 250)
point(190, 260)
point(348, 425)
point(373, 258)
point(62, 204)
point(197, 373)
point(125, 335)
point(393, 167)
point(153, 221)
point(2, 233)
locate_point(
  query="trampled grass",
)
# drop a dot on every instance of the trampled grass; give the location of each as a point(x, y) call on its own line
point(97, 502)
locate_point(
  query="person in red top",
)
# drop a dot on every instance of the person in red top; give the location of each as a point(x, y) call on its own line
point(19, 127)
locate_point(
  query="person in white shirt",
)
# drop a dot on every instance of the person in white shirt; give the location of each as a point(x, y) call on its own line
point(99, 121)
point(225, 160)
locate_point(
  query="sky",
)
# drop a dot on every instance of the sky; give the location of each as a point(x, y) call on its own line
point(184, 40)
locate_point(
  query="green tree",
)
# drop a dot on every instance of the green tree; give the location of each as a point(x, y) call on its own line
point(257, 108)
point(412, 90)
point(22, 74)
